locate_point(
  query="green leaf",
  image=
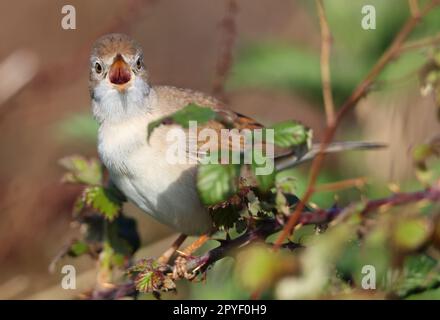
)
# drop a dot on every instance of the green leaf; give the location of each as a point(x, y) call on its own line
point(411, 234)
point(420, 273)
point(281, 203)
point(265, 181)
point(240, 226)
point(258, 267)
point(433, 294)
point(225, 217)
point(142, 265)
point(103, 200)
point(150, 277)
point(254, 205)
point(291, 133)
point(144, 282)
point(192, 112)
point(80, 170)
point(217, 182)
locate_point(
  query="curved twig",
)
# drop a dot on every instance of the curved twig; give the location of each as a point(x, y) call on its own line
point(360, 91)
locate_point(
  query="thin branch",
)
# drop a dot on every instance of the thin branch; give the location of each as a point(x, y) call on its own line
point(360, 91)
point(422, 43)
point(270, 226)
point(324, 216)
point(200, 264)
point(224, 62)
point(414, 8)
point(326, 40)
point(344, 184)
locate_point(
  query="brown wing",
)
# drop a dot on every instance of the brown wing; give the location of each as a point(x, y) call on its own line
point(176, 98)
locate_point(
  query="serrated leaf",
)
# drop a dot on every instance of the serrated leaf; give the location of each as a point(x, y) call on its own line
point(81, 170)
point(217, 182)
point(225, 217)
point(144, 282)
point(254, 204)
point(291, 133)
point(150, 277)
point(192, 112)
point(142, 265)
point(420, 273)
point(102, 200)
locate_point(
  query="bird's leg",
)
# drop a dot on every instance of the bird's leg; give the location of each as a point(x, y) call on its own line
point(166, 256)
point(195, 245)
point(180, 270)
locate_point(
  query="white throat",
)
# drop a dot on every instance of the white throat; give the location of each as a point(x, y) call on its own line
point(112, 105)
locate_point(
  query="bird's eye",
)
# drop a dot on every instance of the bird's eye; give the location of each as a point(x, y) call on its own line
point(98, 68)
point(139, 63)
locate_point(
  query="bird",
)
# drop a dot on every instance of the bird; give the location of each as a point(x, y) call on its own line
point(123, 103)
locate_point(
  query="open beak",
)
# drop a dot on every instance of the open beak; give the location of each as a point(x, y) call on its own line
point(119, 73)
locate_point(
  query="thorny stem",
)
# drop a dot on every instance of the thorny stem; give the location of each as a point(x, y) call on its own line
point(360, 91)
point(200, 264)
point(324, 216)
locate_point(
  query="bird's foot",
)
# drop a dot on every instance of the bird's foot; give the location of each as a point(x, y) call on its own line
point(180, 270)
point(187, 267)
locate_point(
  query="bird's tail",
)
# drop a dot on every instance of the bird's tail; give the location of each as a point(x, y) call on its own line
point(293, 159)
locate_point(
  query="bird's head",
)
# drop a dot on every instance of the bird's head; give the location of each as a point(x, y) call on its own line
point(118, 79)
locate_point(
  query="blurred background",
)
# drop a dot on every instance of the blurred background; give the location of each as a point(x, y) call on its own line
point(45, 109)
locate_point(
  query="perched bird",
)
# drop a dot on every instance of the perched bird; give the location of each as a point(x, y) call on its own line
point(124, 103)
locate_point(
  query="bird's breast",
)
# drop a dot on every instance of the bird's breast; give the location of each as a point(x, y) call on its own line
point(140, 169)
